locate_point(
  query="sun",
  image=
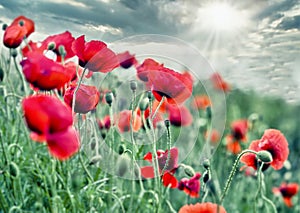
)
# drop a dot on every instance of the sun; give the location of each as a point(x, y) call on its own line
point(221, 17)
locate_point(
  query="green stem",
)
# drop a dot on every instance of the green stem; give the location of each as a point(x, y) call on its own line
point(169, 144)
point(234, 167)
point(3, 148)
point(260, 190)
point(77, 88)
point(134, 147)
point(156, 110)
point(85, 169)
point(21, 77)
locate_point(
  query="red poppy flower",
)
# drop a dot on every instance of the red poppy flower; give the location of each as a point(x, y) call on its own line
point(162, 156)
point(147, 66)
point(248, 171)
point(126, 60)
point(173, 85)
point(169, 180)
point(124, 120)
point(190, 186)
point(43, 73)
point(104, 123)
point(158, 117)
point(87, 98)
point(72, 68)
point(15, 33)
point(94, 55)
point(214, 136)
point(233, 146)
point(287, 191)
point(219, 83)
point(179, 115)
point(63, 39)
point(239, 129)
point(62, 145)
point(272, 141)
point(46, 114)
point(32, 47)
point(201, 102)
point(202, 208)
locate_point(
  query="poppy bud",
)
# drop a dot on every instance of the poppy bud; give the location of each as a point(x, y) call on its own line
point(208, 112)
point(167, 123)
point(51, 46)
point(144, 104)
point(122, 149)
point(206, 164)
point(123, 165)
point(38, 207)
point(1, 74)
point(133, 85)
point(15, 209)
point(13, 170)
point(14, 53)
point(109, 98)
point(4, 26)
point(95, 159)
point(206, 177)
point(189, 171)
point(264, 156)
point(150, 96)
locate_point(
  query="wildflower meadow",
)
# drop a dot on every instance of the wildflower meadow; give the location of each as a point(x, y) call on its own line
point(88, 126)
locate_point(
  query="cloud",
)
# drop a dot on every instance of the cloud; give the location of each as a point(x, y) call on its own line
point(289, 23)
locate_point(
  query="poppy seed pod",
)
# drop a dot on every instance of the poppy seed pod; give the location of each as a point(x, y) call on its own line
point(51, 46)
point(62, 50)
point(4, 26)
point(133, 85)
point(150, 96)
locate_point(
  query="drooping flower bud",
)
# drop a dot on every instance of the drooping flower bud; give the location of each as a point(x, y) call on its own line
point(264, 156)
point(189, 171)
point(95, 159)
point(122, 149)
point(13, 170)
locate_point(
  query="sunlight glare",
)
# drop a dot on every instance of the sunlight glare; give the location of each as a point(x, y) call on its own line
point(221, 17)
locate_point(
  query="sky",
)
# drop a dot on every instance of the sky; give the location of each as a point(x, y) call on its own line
point(254, 44)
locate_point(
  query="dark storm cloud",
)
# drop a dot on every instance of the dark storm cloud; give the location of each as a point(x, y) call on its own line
point(289, 23)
